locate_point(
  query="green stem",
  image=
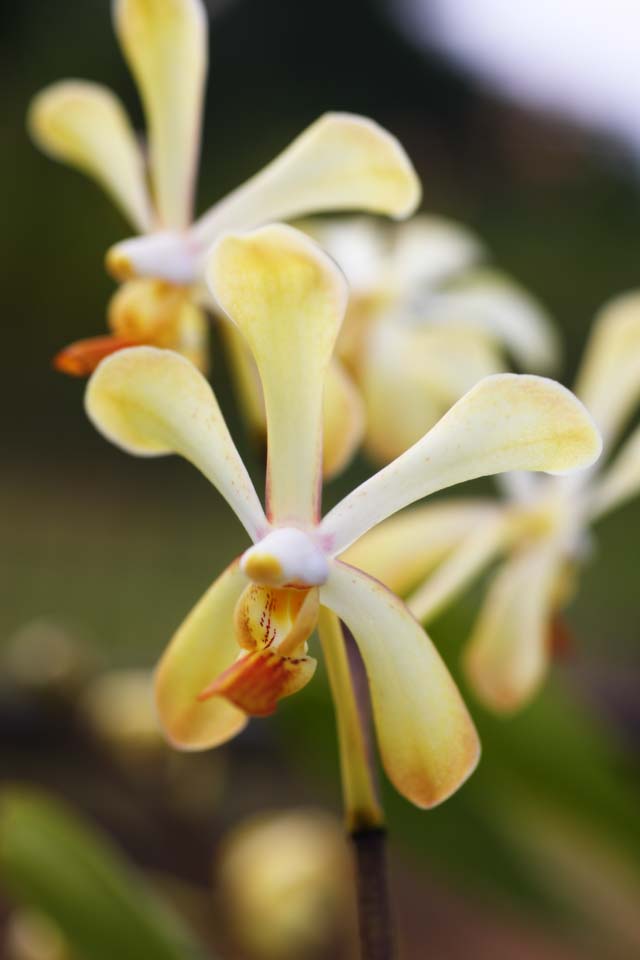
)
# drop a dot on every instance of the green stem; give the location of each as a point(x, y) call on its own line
point(363, 812)
point(361, 805)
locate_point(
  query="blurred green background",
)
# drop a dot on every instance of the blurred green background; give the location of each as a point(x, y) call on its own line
point(537, 856)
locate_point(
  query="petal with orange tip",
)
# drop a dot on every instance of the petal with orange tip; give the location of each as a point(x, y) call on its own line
point(82, 357)
point(288, 299)
point(165, 44)
point(154, 402)
point(507, 654)
point(256, 681)
point(202, 648)
point(341, 162)
point(85, 125)
point(427, 739)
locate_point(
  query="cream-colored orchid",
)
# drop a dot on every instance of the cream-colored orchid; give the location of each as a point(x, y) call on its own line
point(542, 528)
point(340, 162)
point(245, 644)
point(427, 319)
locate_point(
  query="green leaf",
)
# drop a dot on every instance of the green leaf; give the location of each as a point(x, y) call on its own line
point(56, 863)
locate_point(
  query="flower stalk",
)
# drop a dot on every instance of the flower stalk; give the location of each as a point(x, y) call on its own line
point(363, 812)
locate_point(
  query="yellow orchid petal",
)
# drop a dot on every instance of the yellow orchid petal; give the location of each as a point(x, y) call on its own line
point(609, 379)
point(485, 540)
point(411, 375)
point(507, 654)
point(343, 420)
point(620, 481)
point(506, 422)
point(341, 162)
point(153, 402)
point(202, 648)
point(85, 125)
point(427, 740)
point(165, 44)
point(404, 549)
point(288, 298)
point(489, 302)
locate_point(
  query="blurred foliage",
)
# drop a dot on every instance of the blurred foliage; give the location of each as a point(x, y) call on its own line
point(63, 868)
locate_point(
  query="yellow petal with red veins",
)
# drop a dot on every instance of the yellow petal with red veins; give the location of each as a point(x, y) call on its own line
point(508, 652)
point(406, 548)
point(609, 379)
point(506, 422)
point(279, 617)
point(82, 357)
point(427, 739)
point(85, 125)
point(341, 162)
point(153, 402)
point(288, 299)
point(165, 44)
point(274, 624)
point(202, 648)
point(256, 682)
point(343, 420)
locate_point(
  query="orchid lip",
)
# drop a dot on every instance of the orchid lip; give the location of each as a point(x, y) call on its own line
point(286, 556)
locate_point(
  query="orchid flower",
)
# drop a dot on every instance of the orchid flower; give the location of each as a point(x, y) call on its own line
point(245, 644)
point(541, 528)
point(427, 319)
point(340, 162)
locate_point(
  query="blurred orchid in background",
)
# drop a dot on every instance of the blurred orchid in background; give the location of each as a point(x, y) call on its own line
point(541, 528)
point(244, 646)
point(284, 884)
point(341, 161)
point(427, 319)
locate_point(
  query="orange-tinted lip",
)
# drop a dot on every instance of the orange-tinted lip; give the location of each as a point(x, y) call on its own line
point(82, 357)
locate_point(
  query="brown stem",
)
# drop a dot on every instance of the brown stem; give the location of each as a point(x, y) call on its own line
point(374, 914)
